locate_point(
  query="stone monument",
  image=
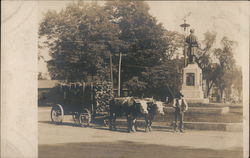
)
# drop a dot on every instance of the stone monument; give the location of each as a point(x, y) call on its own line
point(192, 73)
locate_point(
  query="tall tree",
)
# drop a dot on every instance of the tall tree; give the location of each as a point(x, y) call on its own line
point(146, 44)
point(159, 81)
point(163, 80)
point(205, 60)
point(80, 38)
point(143, 38)
point(226, 64)
point(175, 42)
point(237, 81)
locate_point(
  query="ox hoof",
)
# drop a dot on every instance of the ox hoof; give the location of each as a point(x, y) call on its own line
point(112, 128)
point(133, 130)
point(150, 129)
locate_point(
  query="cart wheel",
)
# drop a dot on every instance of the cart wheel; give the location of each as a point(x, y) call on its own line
point(76, 118)
point(57, 114)
point(106, 122)
point(85, 118)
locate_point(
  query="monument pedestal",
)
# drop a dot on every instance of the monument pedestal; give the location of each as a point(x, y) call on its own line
point(192, 84)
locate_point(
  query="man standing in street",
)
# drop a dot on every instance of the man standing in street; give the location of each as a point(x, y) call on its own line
point(180, 106)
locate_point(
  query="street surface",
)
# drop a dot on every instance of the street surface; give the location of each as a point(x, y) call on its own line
point(67, 140)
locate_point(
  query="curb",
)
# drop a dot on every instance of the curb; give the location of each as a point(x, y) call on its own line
point(209, 126)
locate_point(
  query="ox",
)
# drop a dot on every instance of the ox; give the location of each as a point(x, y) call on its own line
point(133, 108)
point(123, 106)
point(150, 108)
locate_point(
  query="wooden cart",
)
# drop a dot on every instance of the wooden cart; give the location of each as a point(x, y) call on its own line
point(76, 99)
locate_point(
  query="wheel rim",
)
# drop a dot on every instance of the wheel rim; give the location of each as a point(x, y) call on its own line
point(57, 113)
point(106, 122)
point(85, 118)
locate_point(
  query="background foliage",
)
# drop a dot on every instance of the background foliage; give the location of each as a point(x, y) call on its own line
point(83, 38)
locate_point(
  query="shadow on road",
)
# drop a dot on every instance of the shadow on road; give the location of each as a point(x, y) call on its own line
point(128, 149)
point(61, 124)
point(122, 129)
point(94, 126)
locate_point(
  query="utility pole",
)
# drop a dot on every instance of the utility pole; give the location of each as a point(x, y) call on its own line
point(111, 71)
point(119, 75)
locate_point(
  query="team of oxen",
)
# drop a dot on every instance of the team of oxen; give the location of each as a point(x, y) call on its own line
point(134, 108)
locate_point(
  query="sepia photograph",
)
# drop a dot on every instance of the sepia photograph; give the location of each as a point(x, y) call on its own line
point(140, 79)
point(128, 79)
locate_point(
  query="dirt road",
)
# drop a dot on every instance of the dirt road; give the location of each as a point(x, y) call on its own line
point(68, 140)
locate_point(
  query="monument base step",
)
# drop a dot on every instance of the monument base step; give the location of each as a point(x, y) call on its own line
point(229, 127)
point(197, 100)
point(214, 126)
point(213, 105)
point(202, 110)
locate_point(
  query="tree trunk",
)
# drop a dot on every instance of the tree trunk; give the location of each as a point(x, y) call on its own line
point(209, 88)
point(221, 94)
point(239, 96)
point(92, 77)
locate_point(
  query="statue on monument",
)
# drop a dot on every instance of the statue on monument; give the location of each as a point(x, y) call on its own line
point(192, 46)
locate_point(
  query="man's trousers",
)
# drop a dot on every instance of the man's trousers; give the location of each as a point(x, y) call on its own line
point(179, 116)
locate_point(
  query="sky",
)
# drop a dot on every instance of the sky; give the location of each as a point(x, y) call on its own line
point(226, 18)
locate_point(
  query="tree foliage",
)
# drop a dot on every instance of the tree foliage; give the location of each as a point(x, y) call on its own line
point(142, 36)
point(163, 80)
point(146, 44)
point(82, 35)
point(80, 38)
point(160, 81)
point(226, 64)
point(237, 81)
point(41, 76)
point(217, 63)
point(174, 41)
point(205, 60)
